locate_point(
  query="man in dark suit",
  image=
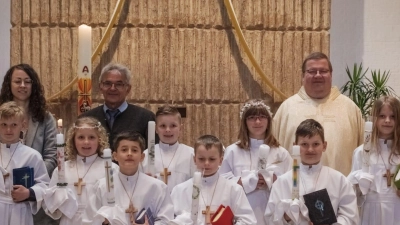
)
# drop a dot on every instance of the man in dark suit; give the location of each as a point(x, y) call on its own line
point(116, 115)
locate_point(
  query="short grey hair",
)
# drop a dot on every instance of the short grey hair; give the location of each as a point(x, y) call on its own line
point(115, 66)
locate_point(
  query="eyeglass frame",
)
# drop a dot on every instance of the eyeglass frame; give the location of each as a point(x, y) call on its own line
point(321, 72)
point(254, 118)
point(116, 85)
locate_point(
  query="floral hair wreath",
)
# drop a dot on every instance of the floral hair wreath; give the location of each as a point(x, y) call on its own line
point(87, 127)
point(252, 104)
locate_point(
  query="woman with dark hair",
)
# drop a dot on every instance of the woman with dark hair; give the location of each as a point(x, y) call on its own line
point(22, 85)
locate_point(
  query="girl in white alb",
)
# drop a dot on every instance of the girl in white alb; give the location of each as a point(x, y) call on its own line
point(241, 159)
point(86, 141)
point(372, 170)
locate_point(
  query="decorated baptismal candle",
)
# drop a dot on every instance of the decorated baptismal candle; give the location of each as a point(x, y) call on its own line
point(109, 176)
point(367, 146)
point(151, 140)
point(195, 196)
point(60, 160)
point(296, 174)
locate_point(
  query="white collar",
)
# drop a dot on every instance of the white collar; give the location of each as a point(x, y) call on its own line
point(86, 160)
point(310, 168)
point(129, 179)
point(12, 146)
point(168, 147)
point(210, 180)
point(255, 143)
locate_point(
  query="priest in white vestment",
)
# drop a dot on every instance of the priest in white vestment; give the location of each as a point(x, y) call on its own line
point(317, 99)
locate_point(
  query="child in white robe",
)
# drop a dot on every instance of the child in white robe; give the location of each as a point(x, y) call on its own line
point(18, 203)
point(86, 141)
point(171, 155)
point(313, 177)
point(375, 191)
point(241, 159)
point(135, 189)
point(215, 189)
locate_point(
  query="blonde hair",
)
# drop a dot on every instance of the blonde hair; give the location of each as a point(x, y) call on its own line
point(394, 105)
point(255, 107)
point(11, 109)
point(91, 123)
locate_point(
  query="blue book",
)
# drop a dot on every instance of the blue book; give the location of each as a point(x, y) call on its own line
point(23, 176)
point(140, 216)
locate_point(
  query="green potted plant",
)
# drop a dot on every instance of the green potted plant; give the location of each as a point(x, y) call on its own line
point(364, 91)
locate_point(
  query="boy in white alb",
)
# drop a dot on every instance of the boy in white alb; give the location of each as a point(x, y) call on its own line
point(18, 203)
point(133, 189)
point(313, 177)
point(173, 160)
point(215, 190)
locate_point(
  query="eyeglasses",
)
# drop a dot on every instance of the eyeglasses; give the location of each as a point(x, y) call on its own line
point(119, 85)
point(255, 118)
point(23, 82)
point(315, 72)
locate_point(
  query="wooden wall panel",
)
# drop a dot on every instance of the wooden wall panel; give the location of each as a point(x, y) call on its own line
point(183, 52)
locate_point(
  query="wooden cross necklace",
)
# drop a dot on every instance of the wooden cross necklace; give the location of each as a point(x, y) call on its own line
point(388, 175)
point(80, 182)
point(7, 174)
point(131, 209)
point(166, 173)
point(208, 213)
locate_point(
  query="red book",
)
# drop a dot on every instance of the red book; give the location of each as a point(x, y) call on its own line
point(223, 216)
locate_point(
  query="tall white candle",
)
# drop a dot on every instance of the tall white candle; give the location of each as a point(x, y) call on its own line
point(85, 50)
point(296, 171)
point(151, 140)
point(84, 68)
point(109, 176)
point(60, 143)
point(367, 146)
point(196, 196)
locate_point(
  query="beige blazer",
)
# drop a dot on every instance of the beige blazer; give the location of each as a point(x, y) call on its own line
point(42, 138)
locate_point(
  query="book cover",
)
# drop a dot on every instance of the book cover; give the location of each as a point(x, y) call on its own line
point(140, 218)
point(223, 216)
point(320, 208)
point(23, 176)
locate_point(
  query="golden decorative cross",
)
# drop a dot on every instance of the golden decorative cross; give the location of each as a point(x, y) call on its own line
point(388, 176)
point(79, 184)
point(208, 213)
point(165, 174)
point(131, 210)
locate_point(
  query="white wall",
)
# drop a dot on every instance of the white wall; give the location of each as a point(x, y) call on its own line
point(346, 37)
point(5, 26)
point(382, 38)
point(366, 31)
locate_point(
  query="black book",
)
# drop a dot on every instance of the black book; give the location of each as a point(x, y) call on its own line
point(320, 208)
point(23, 176)
point(141, 215)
